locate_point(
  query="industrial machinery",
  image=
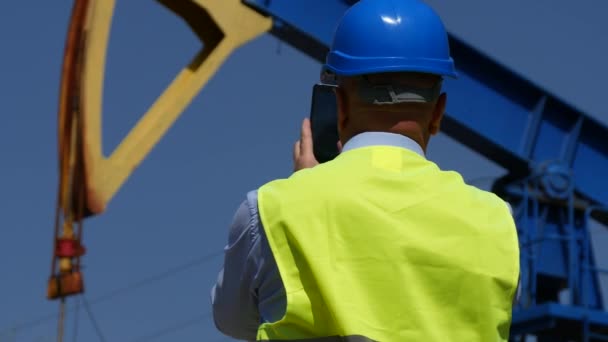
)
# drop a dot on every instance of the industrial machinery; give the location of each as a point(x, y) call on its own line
point(554, 153)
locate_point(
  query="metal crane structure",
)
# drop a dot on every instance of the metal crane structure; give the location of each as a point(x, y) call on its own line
point(554, 153)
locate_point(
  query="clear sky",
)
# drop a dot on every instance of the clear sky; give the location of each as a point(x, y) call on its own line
point(236, 135)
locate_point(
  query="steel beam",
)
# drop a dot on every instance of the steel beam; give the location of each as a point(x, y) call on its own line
point(491, 109)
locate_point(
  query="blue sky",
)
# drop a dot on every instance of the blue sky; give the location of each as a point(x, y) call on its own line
point(177, 206)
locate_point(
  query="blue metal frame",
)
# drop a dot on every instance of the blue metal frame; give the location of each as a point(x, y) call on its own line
point(553, 151)
point(561, 323)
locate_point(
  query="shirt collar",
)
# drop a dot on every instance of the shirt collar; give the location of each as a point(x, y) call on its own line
point(382, 138)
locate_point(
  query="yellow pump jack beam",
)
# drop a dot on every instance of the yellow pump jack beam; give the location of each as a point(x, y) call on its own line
point(222, 25)
point(89, 179)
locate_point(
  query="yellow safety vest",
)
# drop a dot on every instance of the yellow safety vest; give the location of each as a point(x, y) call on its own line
point(381, 245)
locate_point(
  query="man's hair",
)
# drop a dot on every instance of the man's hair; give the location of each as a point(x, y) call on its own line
point(393, 88)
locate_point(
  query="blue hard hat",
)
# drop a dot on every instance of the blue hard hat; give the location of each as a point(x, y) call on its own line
point(377, 36)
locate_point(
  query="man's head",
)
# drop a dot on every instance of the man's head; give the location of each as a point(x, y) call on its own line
point(406, 103)
point(389, 58)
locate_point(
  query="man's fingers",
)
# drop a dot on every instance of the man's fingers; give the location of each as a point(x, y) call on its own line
point(296, 151)
point(303, 155)
point(306, 138)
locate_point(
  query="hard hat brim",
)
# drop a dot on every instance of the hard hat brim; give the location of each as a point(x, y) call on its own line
point(345, 65)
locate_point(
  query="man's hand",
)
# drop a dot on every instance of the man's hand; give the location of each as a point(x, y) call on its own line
point(303, 156)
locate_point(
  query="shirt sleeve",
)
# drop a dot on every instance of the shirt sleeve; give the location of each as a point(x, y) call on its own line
point(234, 302)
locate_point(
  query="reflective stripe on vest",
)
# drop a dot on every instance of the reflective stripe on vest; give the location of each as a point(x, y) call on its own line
point(381, 243)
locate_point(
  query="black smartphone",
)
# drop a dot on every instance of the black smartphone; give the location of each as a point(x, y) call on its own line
point(324, 122)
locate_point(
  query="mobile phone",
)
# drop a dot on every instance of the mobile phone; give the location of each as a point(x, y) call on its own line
point(324, 122)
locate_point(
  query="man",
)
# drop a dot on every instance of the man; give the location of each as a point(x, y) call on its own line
point(378, 244)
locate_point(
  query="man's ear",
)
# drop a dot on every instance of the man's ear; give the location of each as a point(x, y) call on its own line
point(342, 105)
point(438, 111)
